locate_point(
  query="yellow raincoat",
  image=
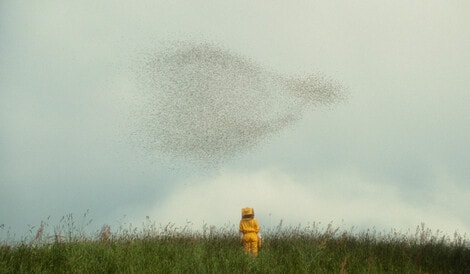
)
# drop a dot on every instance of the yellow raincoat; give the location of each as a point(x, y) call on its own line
point(249, 226)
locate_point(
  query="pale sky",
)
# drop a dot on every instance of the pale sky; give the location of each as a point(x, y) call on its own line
point(393, 155)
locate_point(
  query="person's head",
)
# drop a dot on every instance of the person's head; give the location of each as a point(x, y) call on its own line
point(248, 213)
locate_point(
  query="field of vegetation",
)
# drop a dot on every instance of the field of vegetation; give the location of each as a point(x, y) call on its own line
point(170, 249)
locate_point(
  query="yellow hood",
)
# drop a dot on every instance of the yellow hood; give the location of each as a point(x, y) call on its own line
point(248, 212)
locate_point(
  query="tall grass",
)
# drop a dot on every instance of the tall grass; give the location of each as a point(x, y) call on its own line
point(171, 249)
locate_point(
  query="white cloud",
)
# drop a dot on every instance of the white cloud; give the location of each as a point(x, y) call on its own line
point(348, 199)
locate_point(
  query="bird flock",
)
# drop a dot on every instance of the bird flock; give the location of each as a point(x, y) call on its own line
point(206, 104)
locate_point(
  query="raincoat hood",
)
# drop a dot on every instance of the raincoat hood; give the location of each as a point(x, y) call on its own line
point(248, 212)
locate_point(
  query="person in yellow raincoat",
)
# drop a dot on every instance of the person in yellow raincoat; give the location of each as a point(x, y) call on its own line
point(249, 230)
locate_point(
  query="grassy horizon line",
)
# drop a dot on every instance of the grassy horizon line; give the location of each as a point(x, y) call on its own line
point(293, 249)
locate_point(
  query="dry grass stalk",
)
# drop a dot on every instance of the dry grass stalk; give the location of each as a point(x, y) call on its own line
point(39, 232)
point(105, 233)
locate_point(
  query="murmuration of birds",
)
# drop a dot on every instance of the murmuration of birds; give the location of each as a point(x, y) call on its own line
point(206, 104)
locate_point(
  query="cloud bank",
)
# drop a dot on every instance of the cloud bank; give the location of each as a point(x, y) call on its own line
point(277, 196)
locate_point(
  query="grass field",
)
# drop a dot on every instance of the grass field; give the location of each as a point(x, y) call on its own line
point(169, 249)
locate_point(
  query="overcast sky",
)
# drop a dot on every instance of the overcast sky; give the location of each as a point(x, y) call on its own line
point(393, 155)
